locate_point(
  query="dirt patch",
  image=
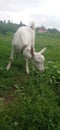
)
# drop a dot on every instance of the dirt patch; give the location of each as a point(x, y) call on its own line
point(7, 97)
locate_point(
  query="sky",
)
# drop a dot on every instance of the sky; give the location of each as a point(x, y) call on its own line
point(43, 12)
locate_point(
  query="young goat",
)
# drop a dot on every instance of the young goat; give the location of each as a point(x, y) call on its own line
point(24, 41)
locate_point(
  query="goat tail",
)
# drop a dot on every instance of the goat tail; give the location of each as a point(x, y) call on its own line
point(33, 26)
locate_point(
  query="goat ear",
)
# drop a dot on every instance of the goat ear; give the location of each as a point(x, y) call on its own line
point(43, 50)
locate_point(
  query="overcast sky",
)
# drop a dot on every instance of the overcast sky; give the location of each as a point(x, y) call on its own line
point(43, 12)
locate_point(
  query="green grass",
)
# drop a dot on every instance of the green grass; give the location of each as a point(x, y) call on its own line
point(30, 102)
point(52, 42)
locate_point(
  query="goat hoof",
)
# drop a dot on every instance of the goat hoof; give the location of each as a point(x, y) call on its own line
point(27, 72)
point(8, 67)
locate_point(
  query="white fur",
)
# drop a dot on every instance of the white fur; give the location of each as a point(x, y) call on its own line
point(23, 41)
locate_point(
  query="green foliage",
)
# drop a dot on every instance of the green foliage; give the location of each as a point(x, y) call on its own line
point(30, 102)
point(9, 27)
point(54, 73)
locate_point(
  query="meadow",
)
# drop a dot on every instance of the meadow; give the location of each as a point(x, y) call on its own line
point(30, 102)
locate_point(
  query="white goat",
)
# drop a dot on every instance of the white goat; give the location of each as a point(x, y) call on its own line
point(24, 41)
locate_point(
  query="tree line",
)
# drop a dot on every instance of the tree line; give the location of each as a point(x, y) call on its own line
point(6, 27)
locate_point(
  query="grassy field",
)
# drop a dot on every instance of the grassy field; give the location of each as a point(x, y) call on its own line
point(30, 102)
